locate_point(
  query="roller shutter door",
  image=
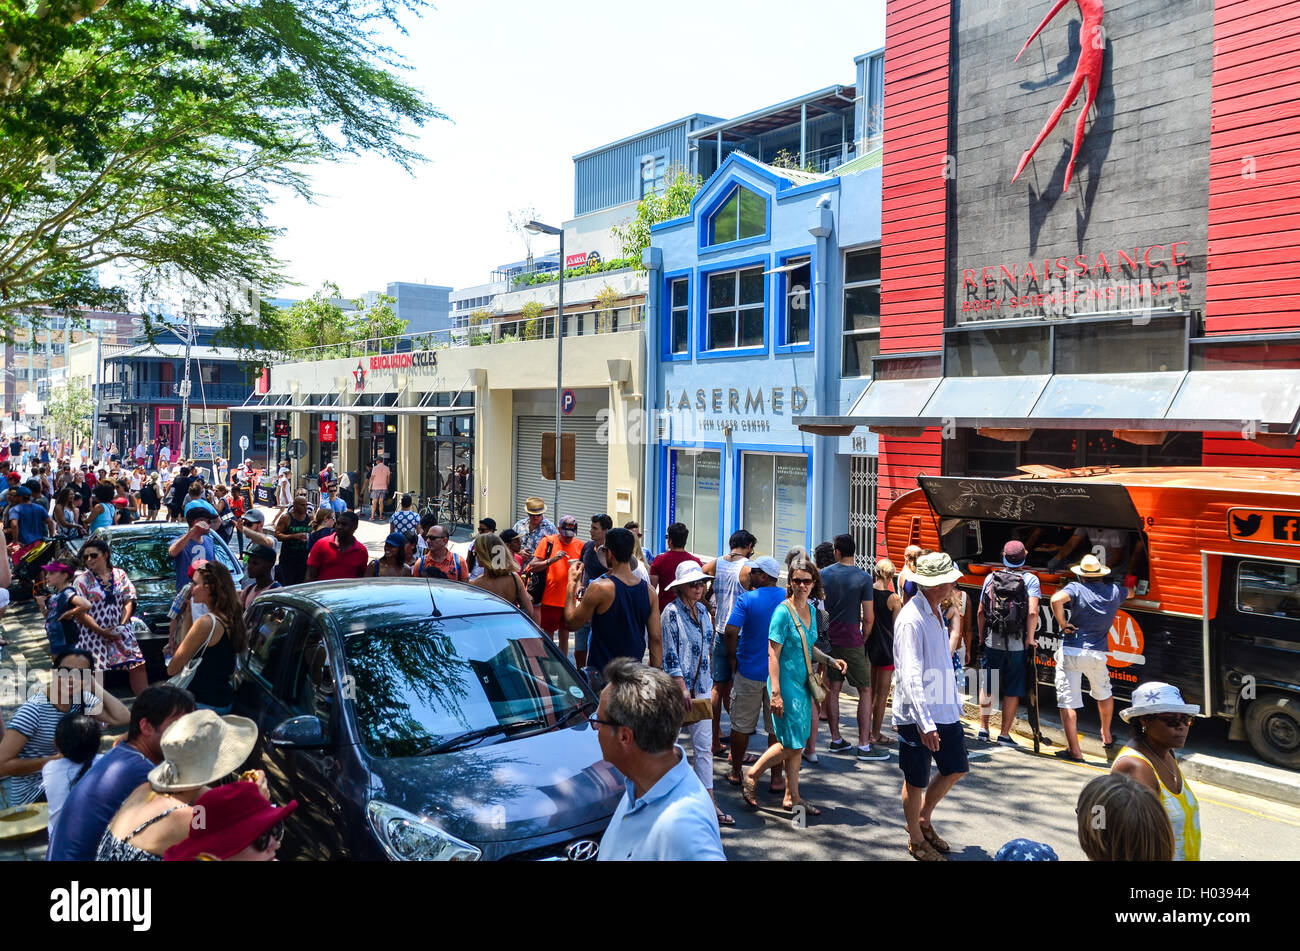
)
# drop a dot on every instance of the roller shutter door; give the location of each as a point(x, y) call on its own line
point(587, 495)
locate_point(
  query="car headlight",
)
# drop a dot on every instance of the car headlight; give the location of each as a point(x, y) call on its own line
point(410, 838)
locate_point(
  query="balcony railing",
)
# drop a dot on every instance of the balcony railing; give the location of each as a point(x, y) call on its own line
point(583, 323)
point(152, 391)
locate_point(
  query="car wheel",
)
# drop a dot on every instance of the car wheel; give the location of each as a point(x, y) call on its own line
point(1273, 728)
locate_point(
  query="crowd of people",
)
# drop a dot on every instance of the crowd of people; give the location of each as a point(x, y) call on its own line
point(666, 641)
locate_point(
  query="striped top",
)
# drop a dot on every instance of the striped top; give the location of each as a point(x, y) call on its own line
point(1183, 811)
point(37, 720)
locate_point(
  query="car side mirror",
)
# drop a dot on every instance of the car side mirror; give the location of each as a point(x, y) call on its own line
point(299, 733)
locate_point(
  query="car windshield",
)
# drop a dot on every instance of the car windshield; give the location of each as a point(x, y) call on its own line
point(144, 556)
point(438, 683)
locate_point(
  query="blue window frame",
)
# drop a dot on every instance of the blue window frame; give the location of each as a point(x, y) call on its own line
point(654, 168)
point(771, 498)
point(733, 309)
point(861, 311)
point(737, 215)
point(795, 270)
point(675, 308)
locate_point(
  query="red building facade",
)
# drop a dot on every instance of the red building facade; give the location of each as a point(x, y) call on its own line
point(1015, 297)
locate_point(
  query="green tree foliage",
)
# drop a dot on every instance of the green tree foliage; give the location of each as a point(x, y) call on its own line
point(146, 134)
point(70, 409)
point(318, 321)
point(680, 187)
point(379, 321)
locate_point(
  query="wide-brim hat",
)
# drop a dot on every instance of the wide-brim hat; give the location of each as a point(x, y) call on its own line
point(1090, 567)
point(935, 569)
point(200, 748)
point(688, 572)
point(234, 816)
point(534, 506)
point(1156, 697)
point(19, 821)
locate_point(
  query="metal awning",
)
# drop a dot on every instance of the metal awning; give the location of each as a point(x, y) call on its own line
point(1267, 401)
point(357, 410)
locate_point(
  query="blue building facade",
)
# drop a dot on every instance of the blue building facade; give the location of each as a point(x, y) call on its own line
point(424, 307)
point(764, 306)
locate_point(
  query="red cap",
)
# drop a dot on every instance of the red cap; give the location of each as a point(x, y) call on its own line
point(234, 816)
point(122, 502)
point(196, 564)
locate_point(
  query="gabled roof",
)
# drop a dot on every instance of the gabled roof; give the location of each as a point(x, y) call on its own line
point(176, 351)
point(873, 159)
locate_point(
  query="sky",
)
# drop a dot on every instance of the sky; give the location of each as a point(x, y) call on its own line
point(525, 87)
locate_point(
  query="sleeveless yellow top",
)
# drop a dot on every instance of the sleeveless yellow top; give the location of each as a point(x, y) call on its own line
point(1182, 809)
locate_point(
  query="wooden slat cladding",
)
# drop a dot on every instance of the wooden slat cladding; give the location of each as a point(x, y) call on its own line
point(914, 209)
point(1255, 165)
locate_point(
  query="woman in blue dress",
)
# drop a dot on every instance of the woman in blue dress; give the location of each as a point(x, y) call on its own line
point(793, 625)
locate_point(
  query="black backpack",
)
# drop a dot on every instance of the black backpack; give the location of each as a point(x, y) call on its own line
point(1006, 605)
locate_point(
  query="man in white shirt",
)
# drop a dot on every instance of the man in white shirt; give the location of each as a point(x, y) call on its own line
point(927, 710)
point(666, 813)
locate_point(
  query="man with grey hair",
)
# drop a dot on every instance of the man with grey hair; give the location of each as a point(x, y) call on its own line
point(666, 815)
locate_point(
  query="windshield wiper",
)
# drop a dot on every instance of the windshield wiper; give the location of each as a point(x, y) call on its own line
point(473, 736)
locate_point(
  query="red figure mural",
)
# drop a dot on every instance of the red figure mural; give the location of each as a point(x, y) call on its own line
point(1092, 48)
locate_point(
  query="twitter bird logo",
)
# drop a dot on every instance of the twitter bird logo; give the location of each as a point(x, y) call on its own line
point(1247, 526)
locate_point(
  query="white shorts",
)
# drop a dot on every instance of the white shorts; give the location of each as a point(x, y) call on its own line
point(1070, 670)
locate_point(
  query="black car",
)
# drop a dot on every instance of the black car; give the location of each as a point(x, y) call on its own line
point(421, 720)
point(140, 549)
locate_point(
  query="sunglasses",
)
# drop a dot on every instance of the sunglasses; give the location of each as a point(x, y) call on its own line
point(597, 722)
point(92, 554)
point(801, 581)
point(273, 834)
point(695, 584)
point(1175, 719)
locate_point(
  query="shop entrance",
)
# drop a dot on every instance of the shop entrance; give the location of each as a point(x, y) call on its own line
point(378, 440)
point(447, 472)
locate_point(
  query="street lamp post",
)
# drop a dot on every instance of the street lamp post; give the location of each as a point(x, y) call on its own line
point(536, 227)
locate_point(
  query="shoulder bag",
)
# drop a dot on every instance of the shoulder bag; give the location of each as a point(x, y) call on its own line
point(191, 667)
point(701, 707)
point(537, 579)
point(816, 686)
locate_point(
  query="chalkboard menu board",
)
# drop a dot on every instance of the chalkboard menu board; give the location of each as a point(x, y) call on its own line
point(1032, 501)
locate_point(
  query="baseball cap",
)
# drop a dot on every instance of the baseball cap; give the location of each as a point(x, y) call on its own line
point(24, 492)
point(196, 564)
point(767, 564)
point(256, 516)
point(568, 523)
point(396, 539)
point(509, 535)
point(201, 505)
point(56, 566)
point(264, 552)
point(1013, 554)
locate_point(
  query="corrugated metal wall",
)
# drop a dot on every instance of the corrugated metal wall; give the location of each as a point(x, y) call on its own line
point(613, 177)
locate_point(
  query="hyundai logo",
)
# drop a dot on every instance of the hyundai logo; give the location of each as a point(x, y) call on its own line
point(584, 850)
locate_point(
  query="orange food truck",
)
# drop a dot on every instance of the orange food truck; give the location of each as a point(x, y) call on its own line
point(1214, 554)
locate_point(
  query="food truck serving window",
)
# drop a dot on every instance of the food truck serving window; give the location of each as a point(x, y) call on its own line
point(1269, 589)
point(1032, 501)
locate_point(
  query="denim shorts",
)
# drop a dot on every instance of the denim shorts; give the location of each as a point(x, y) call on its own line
point(1010, 666)
point(581, 637)
point(914, 759)
point(719, 664)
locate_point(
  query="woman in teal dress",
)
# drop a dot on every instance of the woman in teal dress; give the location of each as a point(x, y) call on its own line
point(793, 622)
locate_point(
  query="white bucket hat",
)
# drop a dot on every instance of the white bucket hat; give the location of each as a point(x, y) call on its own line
point(1156, 697)
point(200, 748)
point(687, 572)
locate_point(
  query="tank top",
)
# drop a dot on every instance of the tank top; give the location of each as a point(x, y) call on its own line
point(211, 684)
point(113, 849)
point(880, 646)
point(620, 631)
point(726, 585)
point(103, 519)
point(295, 549)
point(1182, 809)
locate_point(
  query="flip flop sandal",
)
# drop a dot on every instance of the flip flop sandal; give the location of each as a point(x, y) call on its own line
point(881, 741)
point(808, 808)
point(749, 792)
point(726, 820)
point(1065, 755)
point(924, 852)
point(933, 838)
point(734, 780)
